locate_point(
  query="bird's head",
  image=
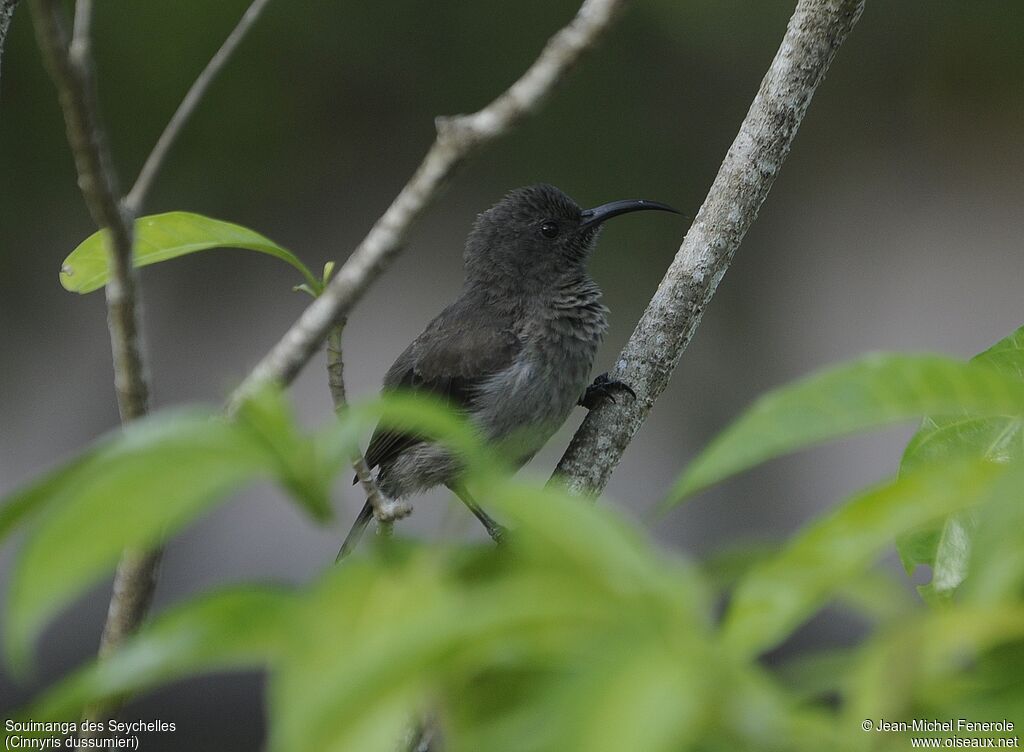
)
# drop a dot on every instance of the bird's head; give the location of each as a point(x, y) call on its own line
point(538, 232)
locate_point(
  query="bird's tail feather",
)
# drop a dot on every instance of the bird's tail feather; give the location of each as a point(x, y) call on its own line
point(356, 531)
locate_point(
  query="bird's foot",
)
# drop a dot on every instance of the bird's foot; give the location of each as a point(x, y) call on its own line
point(391, 509)
point(603, 390)
point(498, 533)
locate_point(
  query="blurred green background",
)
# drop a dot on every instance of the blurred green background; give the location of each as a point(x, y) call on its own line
point(895, 224)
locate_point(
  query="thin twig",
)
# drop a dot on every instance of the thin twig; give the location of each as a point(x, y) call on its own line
point(81, 31)
point(382, 508)
point(815, 32)
point(456, 138)
point(70, 65)
point(137, 195)
point(6, 14)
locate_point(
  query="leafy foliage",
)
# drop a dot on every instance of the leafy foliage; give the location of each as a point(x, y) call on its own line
point(146, 482)
point(579, 633)
point(869, 393)
point(776, 595)
point(944, 546)
point(86, 513)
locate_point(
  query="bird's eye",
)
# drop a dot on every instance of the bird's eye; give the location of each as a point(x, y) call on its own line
point(549, 229)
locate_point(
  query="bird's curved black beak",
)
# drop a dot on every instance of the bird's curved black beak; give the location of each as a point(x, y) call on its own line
point(590, 218)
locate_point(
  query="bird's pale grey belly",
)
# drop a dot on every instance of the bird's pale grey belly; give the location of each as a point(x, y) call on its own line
point(519, 408)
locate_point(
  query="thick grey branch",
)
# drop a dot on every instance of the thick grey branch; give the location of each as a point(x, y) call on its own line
point(137, 195)
point(815, 32)
point(6, 14)
point(457, 137)
point(70, 65)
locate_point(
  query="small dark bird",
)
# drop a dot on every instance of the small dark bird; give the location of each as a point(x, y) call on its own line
point(515, 349)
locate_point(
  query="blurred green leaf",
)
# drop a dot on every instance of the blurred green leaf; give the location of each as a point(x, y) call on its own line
point(562, 532)
point(384, 636)
point(161, 237)
point(878, 595)
point(945, 546)
point(227, 630)
point(159, 475)
point(377, 639)
point(778, 595)
point(875, 594)
point(816, 674)
point(578, 633)
point(21, 505)
point(427, 416)
point(141, 485)
point(925, 656)
point(872, 392)
point(996, 556)
point(299, 465)
point(634, 694)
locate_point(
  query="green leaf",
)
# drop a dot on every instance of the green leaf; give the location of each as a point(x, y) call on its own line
point(638, 695)
point(161, 237)
point(160, 474)
point(361, 687)
point(816, 674)
point(418, 414)
point(561, 528)
point(299, 466)
point(876, 594)
point(778, 595)
point(376, 641)
point(945, 546)
point(140, 486)
point(922, 658)
point(996, 438)
point(996, 557)
point(226, 630)
point(24, 503)
point(617, 694)
point(415, 623)
point(869, 393)
point(1006, 355)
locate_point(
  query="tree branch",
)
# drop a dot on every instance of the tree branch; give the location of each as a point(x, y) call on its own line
point(6, 14)
point(137, 195)
point(457, 137)
point(70, 66)
point(815, 32)
point(71, 69)
point(81, 29)
point(382, 508)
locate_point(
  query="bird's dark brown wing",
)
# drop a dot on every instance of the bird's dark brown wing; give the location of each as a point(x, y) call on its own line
point(450, 360)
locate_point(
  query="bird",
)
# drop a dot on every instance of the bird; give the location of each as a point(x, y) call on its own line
point(513, 352)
